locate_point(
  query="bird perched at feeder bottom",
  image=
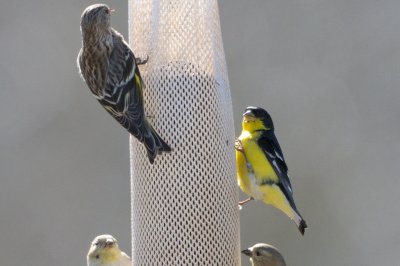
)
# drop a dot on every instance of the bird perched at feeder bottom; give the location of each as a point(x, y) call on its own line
point(264, 255)
point(111, 72)
point(261, 169)
point(104, 251)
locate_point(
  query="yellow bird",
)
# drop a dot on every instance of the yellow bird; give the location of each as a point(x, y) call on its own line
point(105, 251)
point(261, 169)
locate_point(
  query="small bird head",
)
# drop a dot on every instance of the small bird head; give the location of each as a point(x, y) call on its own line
point(96, 17)
point(104, 250)
point(264, 255)
point(256, 118)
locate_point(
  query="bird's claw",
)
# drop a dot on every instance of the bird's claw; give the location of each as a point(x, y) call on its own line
point(241, 203)
point(140, 61)
point(239, 146)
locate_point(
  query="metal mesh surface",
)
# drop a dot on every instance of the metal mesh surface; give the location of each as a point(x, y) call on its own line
point(184, 206)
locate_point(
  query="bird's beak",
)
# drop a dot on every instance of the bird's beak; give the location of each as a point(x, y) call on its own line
point(248, 113)
point(249, 116)
point(109, 244)
point(112, 10)
point(247, 252)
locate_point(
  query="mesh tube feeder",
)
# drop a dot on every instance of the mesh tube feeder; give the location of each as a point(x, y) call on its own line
point(184, 206)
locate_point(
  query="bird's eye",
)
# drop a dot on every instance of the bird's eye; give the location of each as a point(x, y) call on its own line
point(97, 256)
point(258, 254)
point(107, 11)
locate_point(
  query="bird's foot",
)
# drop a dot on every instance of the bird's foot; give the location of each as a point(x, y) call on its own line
point(249, 168)
point(239, 146)
point(140, 61)
point(241, 203)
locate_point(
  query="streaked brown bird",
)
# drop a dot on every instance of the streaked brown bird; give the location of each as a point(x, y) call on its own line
point(110, 70)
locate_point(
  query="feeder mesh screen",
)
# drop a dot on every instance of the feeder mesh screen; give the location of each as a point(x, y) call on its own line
point(185, 205)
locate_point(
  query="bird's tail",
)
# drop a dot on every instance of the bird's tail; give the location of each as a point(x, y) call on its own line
point(154, 144)
point(292, 212)
point(300, 222)
point(284, 202)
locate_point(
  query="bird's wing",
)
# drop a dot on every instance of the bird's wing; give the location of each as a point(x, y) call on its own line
point(123, 74)
point(272, 150)
point(125, 260)
point(123, 96)
point(270, 146)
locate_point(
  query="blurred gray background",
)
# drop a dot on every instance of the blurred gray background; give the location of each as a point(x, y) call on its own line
point(328, 72)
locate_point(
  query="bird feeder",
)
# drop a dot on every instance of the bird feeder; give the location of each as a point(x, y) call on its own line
point(185, 205)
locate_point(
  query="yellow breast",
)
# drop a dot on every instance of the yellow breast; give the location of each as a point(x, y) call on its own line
point(258, 162)
point(107, 256)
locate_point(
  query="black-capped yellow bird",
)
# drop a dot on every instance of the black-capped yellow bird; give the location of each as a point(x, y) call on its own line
point(261, 169)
